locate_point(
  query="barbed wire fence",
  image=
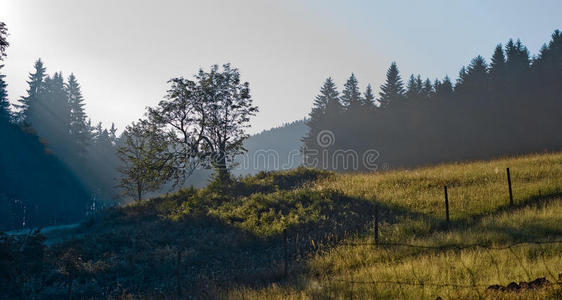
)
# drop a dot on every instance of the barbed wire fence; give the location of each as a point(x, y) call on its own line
point(390, 246)
point(335, 240)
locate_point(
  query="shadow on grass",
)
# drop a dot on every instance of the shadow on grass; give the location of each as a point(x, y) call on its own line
point(133, 251)
point(139, 251)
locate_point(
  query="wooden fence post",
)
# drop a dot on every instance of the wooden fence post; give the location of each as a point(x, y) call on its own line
point(447, 205)
point(286, 256)
point(376, 225)
point(178, 273)
point(509, 185)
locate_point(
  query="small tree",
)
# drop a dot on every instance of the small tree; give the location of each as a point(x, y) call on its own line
point(207, 118)
point(147, 159)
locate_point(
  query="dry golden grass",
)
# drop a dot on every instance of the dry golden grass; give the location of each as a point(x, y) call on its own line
point(413, 213)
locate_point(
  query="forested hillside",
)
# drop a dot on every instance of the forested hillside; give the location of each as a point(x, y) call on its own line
point(511, 105)
point(55, 167)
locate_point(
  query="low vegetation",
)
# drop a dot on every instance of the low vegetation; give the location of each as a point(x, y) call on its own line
point(310, 234)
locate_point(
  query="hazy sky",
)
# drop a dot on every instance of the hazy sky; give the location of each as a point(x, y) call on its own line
point(123, 52)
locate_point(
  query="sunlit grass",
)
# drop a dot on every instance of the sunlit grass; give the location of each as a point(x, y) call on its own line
point(412, 204)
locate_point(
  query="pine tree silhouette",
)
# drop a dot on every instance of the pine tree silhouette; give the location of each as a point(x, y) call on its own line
point(369, 99)
point(351, 97)
point(5, 114)
point(36, 86)
point(393, 88)
point(79, 130)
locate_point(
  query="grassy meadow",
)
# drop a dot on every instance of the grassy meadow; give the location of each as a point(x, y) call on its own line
point(232, 241)
point(480, 214)
point(413, 213)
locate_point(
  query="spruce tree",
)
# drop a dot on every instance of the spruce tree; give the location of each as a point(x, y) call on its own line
point(547, 66)
point(517, 67)
point(113, 133)
point(58, 108)
point(497, 64)
point(328, 97)
point(326, 106)
point(4, 103)
point(393, 88)
point(3, 40)
point(79, 130)
point(369, 99)
point(459, 88)
point(444, 89)
point(36, 86)
point(427, 90)
point(414, 88)
point(351, 97)
point(474, 78)
point(518, 58)
point(411, 89)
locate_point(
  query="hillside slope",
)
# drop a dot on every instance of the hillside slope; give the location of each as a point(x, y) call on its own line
point(309, 234)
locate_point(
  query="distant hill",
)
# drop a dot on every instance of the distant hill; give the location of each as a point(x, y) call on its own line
point(277, 148)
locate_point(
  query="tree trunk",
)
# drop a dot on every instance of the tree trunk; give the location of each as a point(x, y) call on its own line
point(139, 192)
point(220, 166)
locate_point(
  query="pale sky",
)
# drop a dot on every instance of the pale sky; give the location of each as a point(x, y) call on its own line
point(123, 52)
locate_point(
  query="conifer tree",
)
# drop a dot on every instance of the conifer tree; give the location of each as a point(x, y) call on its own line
point(393, 88)
point(461, 78)
point(328, 94)
point(497, 64)
point(55, 111)
point(369, 99)
point(547, 66)
point(427, 90)
point(36, 86)
point(411, 91)
point(444, 89)
point(517, 57)
point(351, 97)
point(414, 88)
point(113, 133)
point(3, 40)
point(474, 79)
point(4, 103)
point(79, 131)
point(517, 67)
point(477, 68)
point(326, 108)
